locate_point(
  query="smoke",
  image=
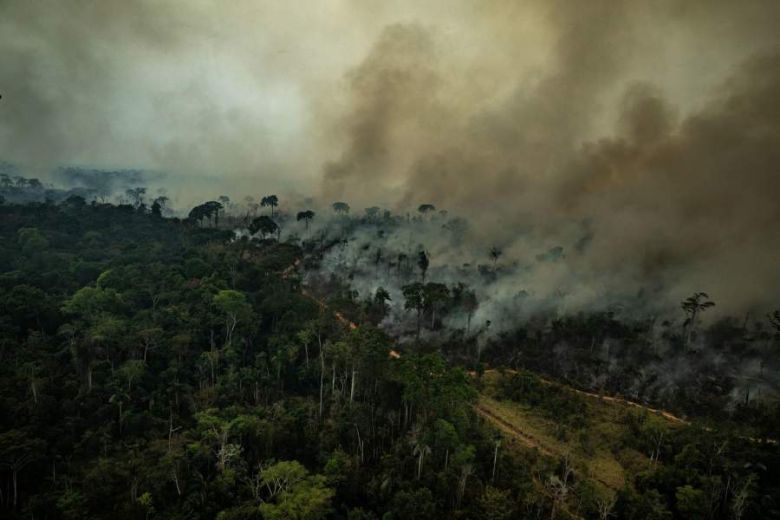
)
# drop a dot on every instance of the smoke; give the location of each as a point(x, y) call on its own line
point(641, 137)
point(692, 202)
point(674, 182)
point(202, 92)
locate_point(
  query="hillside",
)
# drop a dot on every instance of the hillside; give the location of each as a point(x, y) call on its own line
point(595, 444)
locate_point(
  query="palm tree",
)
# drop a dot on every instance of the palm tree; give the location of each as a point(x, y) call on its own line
point(212, 208)
point(381, 297)
point(424, 209)
point(693, 306)
point(306, 216)
point(495, 254)
point(341, 207)
point(270, 200)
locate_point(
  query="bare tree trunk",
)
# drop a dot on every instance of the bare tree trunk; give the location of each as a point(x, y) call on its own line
point(361, 445)
point(495, 459)
point(15, 486)
point(688, 332)
point(352, 385)
point(322, 372)
point(231, 326)
point(176, 481)
point(418, 322)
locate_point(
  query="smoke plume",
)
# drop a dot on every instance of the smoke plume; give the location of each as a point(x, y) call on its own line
point(640, 137)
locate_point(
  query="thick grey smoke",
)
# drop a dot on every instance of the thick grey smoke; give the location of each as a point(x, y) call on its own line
point(642, 137)
point(677, 185)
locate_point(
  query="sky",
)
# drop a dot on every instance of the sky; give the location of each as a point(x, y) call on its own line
point(650, 128)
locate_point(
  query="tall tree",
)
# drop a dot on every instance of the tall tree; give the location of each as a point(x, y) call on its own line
point(693, 306)
point(414, 296)
point(156, 209)
point(207, 210)
point(421, 449)
point(372, 212)
point(423, 261)
point(293, 493)
point(270, 201)
point(342, 208)
point(212, 209)
point(424, 209)
point(379, 303)
point(18, 450)
point(235, 307)
point(264, 224)
point(306, 216)
point(495, 254)
point(136, 195)
point(467, 300)
point(436, 294)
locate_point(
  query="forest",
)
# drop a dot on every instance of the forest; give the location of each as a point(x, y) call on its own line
point(251, 360)
point(389, 260)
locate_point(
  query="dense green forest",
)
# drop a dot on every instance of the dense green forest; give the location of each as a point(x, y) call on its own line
point(157, 367)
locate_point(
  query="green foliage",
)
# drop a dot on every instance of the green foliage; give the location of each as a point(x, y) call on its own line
point(264, 225)
point(692, 503)
point(496, 504)
point(293, 493)
point(434, 389)
point(32, 241)
point(414, 504)
point(157, 368)
point(649, 505)
point(232, 303)
point(564, 407)
point(90, 302)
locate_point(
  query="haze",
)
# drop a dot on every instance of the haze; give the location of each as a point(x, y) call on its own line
point(649, 129)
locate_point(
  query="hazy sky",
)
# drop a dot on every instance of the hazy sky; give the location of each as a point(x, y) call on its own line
point(655, 123)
